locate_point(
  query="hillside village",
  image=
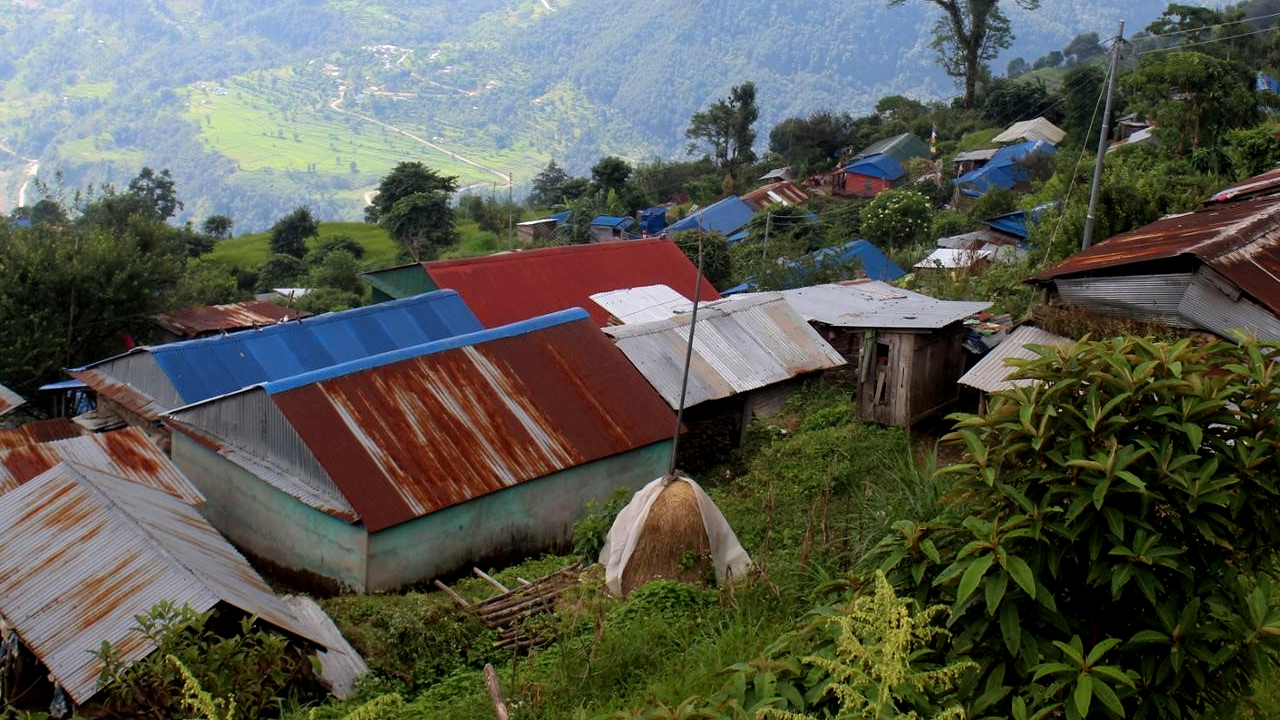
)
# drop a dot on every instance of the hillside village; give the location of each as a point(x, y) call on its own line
point(897, 442)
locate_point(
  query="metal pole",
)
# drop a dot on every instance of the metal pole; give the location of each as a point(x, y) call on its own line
point(1103, 140)
point(688, 359)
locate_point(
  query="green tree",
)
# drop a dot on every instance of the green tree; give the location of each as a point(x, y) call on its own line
point(337, 270)
point(1081, 87)
point(1193, 98)
point(1082, 47)
point(205, 283)
point(970, 34)
point(727, 127)
point(717, 267)
point(218, 226)
point(289, 234)
point(1007, 101)
point(1108, 548)
point(422, 223)
point(1017, 68)
point(809, 141)
point(405, 179)
point(158, 190)
point(1051, 59)
point(280, 271)
point(611, 173)
point(896, 218)
point(549, 186)
point(336, 242)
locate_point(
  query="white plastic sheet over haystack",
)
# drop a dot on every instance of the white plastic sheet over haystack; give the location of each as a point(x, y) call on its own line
point(730, 560)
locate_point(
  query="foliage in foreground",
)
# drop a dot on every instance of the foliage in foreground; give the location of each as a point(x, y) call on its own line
point(1106, 553)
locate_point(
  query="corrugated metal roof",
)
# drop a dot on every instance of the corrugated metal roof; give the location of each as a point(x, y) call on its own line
point(725, 216)
point(613, 221)
point(83, 552)
point(642, 304)
point(1005, 169)
point(418, 430)
point(874, 263)
point(885, 167)
point(740, 344)
point(126, 453)
point(976, 155)
point(975, 239)
point(9, 400)
point(901, 147)
point(195, 321)
point(952, 259)
point(991, 373)
point(1014, 223)
point(515, 286)
point(37, 432)
point(874, 304)
point(1034, 129)
point(1265, 184)
point(783, 192)
point(1239, 240)
point(195, 370)
point(1152, 298)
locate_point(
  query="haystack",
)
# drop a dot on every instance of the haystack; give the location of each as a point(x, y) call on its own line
point(670, 529)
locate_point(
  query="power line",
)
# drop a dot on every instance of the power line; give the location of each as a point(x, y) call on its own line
point(1206, 27)
point(1209, 42)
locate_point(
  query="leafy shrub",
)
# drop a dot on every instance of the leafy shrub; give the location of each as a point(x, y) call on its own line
point(897, 217)
point(1111, 554)
point(590, 533)
point(663, 599)
point(253, 664)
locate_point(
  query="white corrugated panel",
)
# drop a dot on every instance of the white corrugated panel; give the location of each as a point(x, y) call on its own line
point(952, 259)
point(875, 304)
point(992, 372)
point(740, 344)
point(82, 553)
point(1205, 304)
point(642, 304)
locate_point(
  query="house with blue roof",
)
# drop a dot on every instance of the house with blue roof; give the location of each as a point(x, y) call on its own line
point(880, 166)
point(147, 381)
point(873, 263)
point(727, 217)
point(1006, 169)
point(609, 227)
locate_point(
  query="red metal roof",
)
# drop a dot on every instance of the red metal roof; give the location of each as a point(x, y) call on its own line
point(1240, 240)
point(196, 321)
point(1265, 184)
point(510, 287)
point(769, 194)
point(38, 432)
point(415, 436)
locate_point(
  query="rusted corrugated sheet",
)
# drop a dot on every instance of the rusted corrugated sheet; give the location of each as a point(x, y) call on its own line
point(82, 553)
point(514, 286)
point(1265, 184)
point(37, 432)
point(9, 400)
point(991, 372)
point(126, 453)
point(1240, 240)
point(129, 397)
point(784, 193)
point(419, 430)
point(739, 345)
point(196, 321)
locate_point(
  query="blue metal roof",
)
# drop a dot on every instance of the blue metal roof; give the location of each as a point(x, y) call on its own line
point(882, 166)
point(208, 367)
point(611, 221)
point(1014, 223)
point(560, 217)
point(1003, 170)
point(875, 263)
point(725, 217)
point(653, 220)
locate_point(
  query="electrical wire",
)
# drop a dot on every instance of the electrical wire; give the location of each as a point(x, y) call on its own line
point(1048, 246)
point(1207, 27)
point(1209, 42)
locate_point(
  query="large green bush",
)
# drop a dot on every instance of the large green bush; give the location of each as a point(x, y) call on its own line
point(1107, 551)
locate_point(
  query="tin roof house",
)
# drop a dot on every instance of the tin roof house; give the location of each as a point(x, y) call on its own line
point(905, 350)
point(880, 166)
point(405, 466)
point(194, 322)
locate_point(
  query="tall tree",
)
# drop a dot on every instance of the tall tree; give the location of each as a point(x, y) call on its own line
point(611, 173)
point(289, 234)
point(728, 127)
point(804, 142)
point(422, 223)
point(1082, 47)
point(219, 226)
point(1193, 98)
point(158, 190)
point(405, 179)
point(968, 35)
point(549, 186)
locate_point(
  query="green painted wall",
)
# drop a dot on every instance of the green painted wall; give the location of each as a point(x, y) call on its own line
point(270, 523)
point(524, 519)
point(399, 282)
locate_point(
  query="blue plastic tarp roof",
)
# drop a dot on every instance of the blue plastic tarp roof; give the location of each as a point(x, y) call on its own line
point(1014, 223)
point(208, 367)
point(875, 263)
point(725, 217)
point(613, 222)
point(882, 166)
point(653, 220)
point(1003, 170)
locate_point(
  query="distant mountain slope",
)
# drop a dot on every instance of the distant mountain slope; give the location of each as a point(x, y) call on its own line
point(258, 107)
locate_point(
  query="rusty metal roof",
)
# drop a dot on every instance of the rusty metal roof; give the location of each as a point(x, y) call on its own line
point(126, 453)
point(83, 552)
point(876, 304)
point(784, 192)
point(37, 432)
point(1240, 240)
point(740, 344)
point(9, 400)
point(196, 321)
point(1265, 184)
point(414, 431)
point(514, 286)
point(991, 373)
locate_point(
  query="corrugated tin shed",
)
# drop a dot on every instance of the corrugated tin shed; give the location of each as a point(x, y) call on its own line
point(125, 453)
point(991, 373)
point(515, 286)
point(642, 304)
point(196, 321)
point(1031, 130)
point(726, 217)
point(784, 192)
point(610, 221)
point(1240, 241)
point(952, 259)
point(83, 552)
point(874, 304)
point(414, 431)
point(976, 155)
point(151, 380)
point(740, 344)
point(9, 400)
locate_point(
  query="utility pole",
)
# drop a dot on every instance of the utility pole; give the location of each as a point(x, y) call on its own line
point(510, 224)
point(1103, 139)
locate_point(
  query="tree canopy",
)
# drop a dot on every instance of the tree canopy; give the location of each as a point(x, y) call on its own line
point(727, 127)
point(290, 233)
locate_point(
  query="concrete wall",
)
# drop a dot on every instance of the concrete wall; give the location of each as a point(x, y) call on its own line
point(527, 518)
point(272, 524)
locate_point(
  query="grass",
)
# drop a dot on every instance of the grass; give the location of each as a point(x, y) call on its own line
point(252, 250)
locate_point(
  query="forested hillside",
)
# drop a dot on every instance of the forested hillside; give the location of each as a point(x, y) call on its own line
point(256, 107)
